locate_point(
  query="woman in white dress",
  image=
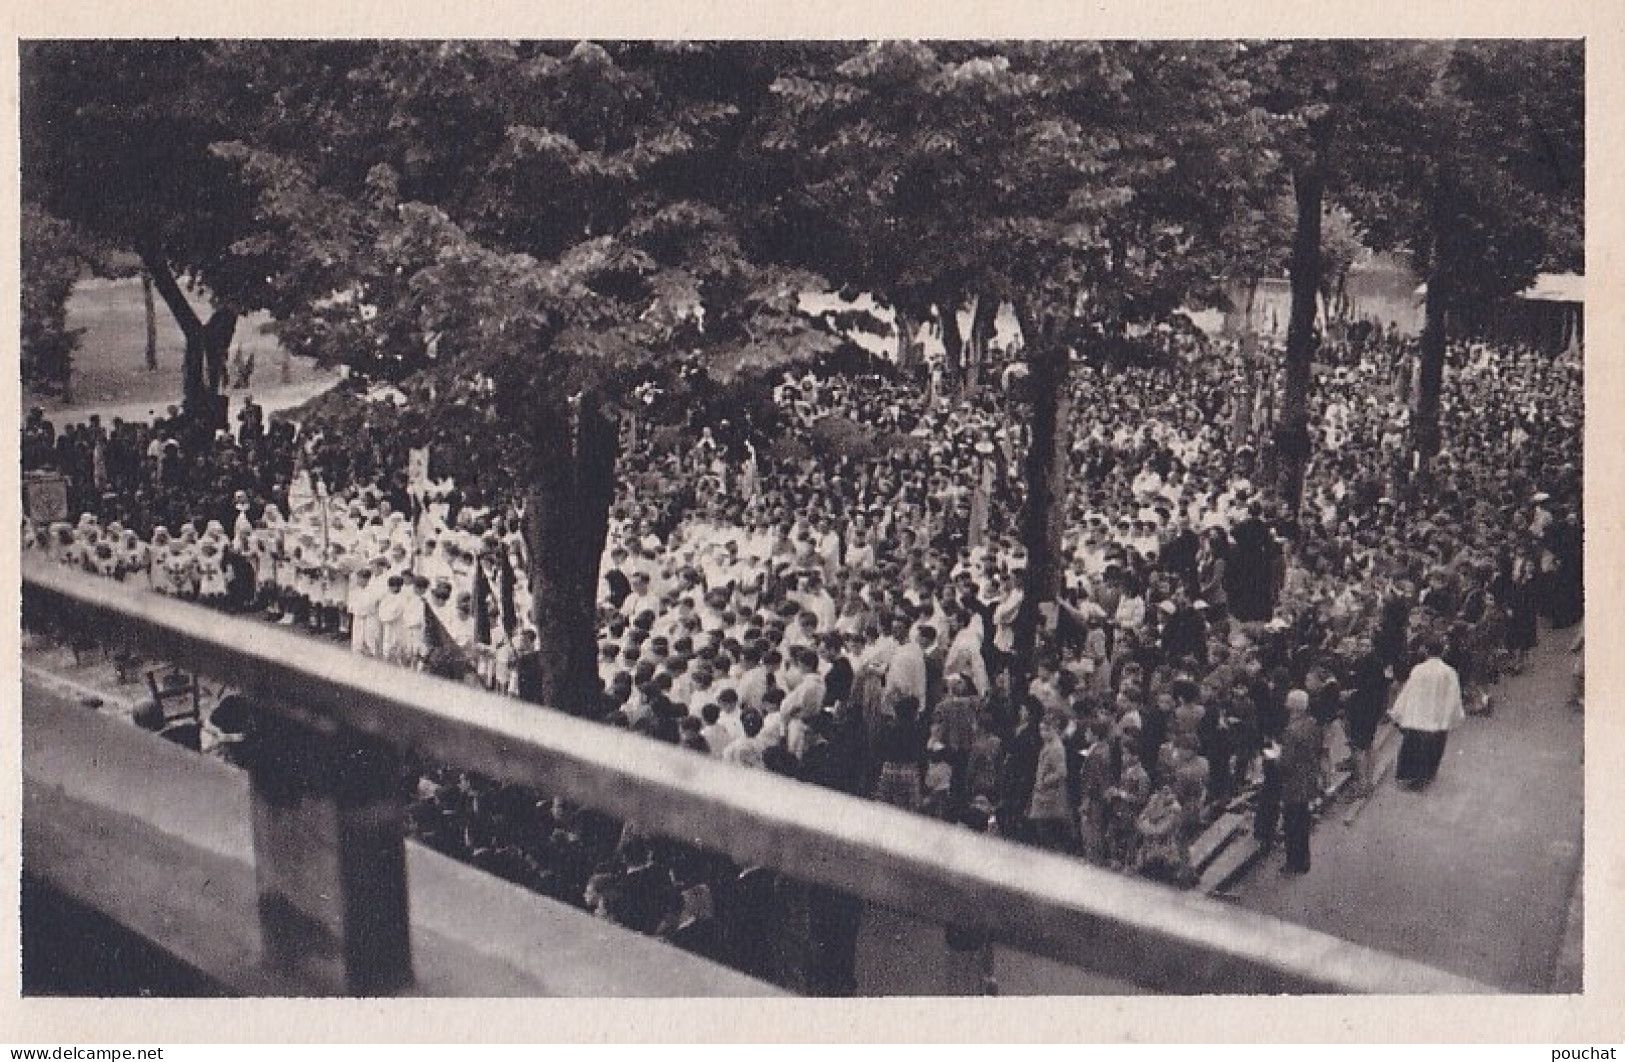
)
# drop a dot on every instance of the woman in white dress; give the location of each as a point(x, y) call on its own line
point(181, 569)
point(158, 567)
point(211, 569)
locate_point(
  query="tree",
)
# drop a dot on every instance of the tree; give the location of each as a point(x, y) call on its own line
point(1331, 104)
point(52, 262)
point(115, 138)
point(1484, 187)
point(519, 232)
point(1341, 248)
point(1089, 184)
point(1259, 245)
point(881, 148)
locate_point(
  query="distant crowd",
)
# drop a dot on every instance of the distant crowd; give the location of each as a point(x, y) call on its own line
point(849, 620)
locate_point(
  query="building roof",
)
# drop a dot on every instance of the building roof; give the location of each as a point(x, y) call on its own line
point(1548, 287)
point(1556, 287)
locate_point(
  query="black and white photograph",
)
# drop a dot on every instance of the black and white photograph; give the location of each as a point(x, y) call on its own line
point(656, 518)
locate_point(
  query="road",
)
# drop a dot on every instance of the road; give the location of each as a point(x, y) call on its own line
point(273, 398)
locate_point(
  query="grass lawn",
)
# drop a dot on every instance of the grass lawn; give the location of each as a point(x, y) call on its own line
point(109, 368)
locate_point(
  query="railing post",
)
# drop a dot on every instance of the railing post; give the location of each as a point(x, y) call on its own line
point(329, 853)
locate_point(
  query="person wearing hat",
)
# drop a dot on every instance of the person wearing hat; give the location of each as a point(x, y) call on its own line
point(1301, 745)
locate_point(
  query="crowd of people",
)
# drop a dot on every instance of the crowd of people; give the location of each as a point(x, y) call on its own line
point(848, 617)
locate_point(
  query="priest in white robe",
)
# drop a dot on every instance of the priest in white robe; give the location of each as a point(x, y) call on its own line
point(1427, 709)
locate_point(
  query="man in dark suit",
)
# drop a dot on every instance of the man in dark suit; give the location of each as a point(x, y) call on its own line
point(527, 665)
point(619, 586)
point(1179, 555)
point(838, 676)
point(1252, 589)
point(1301, 744)
point(1184, 632)
point(1366, 701)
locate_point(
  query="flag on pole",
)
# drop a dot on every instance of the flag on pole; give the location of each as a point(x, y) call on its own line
point(435, 635)
point(441, 655)
point(482, 605)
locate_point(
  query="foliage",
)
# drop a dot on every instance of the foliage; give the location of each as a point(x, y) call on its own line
point(1087, 177)
point(52, 261)
point(545, 218)
point(1486, 184)
point(115, 138)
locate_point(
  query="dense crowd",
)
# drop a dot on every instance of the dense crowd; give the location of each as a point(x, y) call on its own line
point(848, 618)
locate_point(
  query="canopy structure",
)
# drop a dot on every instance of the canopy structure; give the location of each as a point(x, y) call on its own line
point(1548, 314)
point(1556, 287)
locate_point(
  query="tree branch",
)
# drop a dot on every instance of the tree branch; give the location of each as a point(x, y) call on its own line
point(163, 278)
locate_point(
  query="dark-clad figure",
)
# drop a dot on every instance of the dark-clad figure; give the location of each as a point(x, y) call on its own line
point(1252, 580)
point(528, 668)
point(1367, 692)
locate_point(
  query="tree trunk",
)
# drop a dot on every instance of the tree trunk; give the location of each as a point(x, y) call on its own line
point(192, 376)
point(953, 346)
point(566, 522)
point(1044, 514)
point(203, 363)
point(982, 323)
point(1292, 421)
point(217, 335)
point(1249, 332)
point(152, 320)
point(1430, 371)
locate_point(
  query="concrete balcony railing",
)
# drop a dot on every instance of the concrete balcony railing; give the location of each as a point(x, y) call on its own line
point(298, 880)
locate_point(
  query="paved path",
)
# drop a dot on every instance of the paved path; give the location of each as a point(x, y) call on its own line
point(1476, 873)
point(272, 398)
